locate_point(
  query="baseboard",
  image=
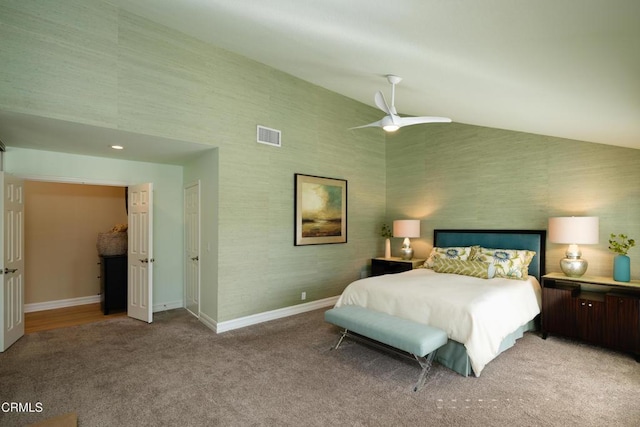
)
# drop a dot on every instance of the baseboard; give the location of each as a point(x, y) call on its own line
point(217, 327)
point(61, 303)
point(71, 302)
point(208, 322)
point(254, 319)
point(168, 306)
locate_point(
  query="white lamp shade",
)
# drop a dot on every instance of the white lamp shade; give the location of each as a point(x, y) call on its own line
point(406, 228)
point(577, 230)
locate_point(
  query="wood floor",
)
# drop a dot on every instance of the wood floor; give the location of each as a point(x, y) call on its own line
point(64, 317)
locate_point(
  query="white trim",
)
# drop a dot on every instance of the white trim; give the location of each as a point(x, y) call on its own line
point(254, 319)
point(61, 303)
point(71, 180)
point(208, 322)
point(184, 246)
point(164, 306)
point(72, 302)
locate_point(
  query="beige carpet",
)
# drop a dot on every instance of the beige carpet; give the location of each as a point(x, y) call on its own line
point(282, 373)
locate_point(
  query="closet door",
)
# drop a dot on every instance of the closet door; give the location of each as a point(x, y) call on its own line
point(192, 248)
point(140, 264)
point(12, 268)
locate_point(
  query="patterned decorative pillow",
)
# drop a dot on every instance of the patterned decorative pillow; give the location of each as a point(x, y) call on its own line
point(479, 269)
point(508, 263)
point(461, 253)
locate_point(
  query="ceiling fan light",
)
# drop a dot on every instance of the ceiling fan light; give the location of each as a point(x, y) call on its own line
point(389, 124)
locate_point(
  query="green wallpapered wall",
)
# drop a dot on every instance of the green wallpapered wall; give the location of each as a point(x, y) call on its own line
point(91, 63)
point(462, 176)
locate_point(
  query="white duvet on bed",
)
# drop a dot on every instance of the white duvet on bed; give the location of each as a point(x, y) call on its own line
point(478, 313)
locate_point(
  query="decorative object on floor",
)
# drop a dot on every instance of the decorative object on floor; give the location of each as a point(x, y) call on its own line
point(320, 210)
point(392, 121)
point(574, 230)
point(406, 228)
point(385, 232)
point(620, 245)
point(65, 420)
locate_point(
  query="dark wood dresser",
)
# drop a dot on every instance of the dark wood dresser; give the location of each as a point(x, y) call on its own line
point(597, 310)
point(113, 283)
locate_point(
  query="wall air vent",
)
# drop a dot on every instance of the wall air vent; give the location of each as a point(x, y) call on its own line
point(269, 136)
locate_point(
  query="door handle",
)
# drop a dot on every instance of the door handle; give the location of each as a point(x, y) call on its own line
point(195, 258)
point(10, 270)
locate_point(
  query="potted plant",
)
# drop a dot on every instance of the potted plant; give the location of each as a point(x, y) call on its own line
point(385, 231)
point(620, 245)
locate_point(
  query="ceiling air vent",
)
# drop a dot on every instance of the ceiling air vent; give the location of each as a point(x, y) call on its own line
point(269, 136)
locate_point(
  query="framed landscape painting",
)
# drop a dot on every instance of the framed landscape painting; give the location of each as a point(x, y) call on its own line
point(320, 210)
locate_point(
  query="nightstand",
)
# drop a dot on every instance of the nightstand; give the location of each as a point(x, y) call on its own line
point(597, 310)
point(380, 266)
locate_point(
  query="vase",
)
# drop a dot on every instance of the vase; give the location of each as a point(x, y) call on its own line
point(621, 268)
point(387, 248)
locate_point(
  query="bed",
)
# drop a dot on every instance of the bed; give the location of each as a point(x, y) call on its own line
point(482, 317)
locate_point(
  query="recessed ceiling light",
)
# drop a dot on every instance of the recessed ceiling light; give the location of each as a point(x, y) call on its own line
point(117, 147)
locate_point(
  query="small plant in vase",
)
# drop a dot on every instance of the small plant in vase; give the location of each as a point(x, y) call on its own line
point(385, 231)
point(620, 245)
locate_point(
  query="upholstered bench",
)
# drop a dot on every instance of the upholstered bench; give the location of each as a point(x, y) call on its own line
point(414, 338)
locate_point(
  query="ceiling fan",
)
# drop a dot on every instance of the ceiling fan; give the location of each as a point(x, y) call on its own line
point(392, 121)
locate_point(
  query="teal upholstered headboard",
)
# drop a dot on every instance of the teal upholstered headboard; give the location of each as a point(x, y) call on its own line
point(534, 240)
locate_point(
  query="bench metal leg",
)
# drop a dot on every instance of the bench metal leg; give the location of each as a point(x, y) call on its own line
point(344, 334)
point(425, 363)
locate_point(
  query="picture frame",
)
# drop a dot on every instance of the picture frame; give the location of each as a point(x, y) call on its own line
point(320, 210)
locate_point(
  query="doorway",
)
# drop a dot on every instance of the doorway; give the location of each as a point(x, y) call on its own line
point(62, 221)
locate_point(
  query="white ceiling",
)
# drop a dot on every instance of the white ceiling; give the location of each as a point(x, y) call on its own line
point(40, 133)
point(566, 68)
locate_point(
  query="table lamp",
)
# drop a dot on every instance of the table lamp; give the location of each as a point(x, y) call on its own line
point(406, 228)
point(574, 230)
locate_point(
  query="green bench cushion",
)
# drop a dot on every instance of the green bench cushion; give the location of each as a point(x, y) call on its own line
point(415, 338)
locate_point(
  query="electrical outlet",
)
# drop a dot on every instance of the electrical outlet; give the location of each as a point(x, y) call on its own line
point(303, 296)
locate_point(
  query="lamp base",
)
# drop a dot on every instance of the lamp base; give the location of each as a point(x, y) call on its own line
point(406, 253)
point(573, 267)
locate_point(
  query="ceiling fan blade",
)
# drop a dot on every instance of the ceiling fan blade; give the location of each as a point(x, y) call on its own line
point(392, 121)
point(407, 121)
point(381, 102)
point(374, 124)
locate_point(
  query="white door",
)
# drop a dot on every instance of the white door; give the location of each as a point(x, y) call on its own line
point(192, 248)
point(140, 234)
point(12, 268)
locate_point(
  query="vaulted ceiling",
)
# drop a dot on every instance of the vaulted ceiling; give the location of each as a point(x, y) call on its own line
point(565, 68)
